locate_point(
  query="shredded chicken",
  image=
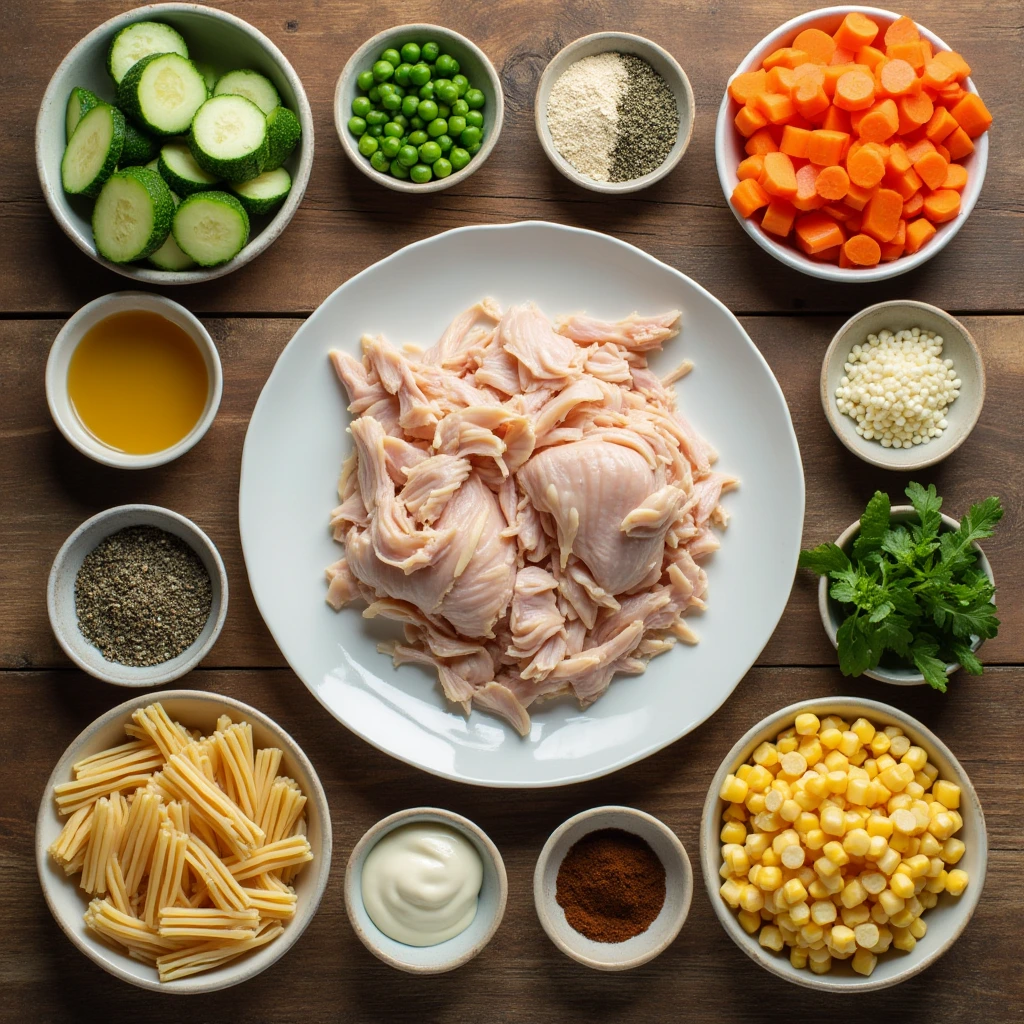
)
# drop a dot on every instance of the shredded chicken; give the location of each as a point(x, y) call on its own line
point(527, 501)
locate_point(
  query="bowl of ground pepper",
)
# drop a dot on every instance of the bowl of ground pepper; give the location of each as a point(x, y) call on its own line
point(137, 595)
point(612, 887)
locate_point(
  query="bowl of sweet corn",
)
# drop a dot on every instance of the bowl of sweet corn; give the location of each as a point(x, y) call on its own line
point(843, 845)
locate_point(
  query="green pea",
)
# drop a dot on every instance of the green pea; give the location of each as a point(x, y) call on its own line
point(427, 110)
point(459, 158)
point(410, 104)
point(475, 98)
point(474, 149)
point(439, 126)
point(365, 80)
point(443, 110)
point(432, 70)
point(461, 83)
point(390, 146)
point(383, 70)
point(376, 130)
point(377, 117)
point(393, 130)
point(460, 107)
point(385, 88)
point(391, 101)
point(357, 125)
point(417, 138)
point(427, 91)
point(447, 93)
point(374, 95)
point(429, 152)
point(361, 106)
point(470, 137)
point(420, 173)
point(429, 52)
point(392, 56)
point(445, 142)
point(417, 123)
point(368, 145)
point(439, 81)
point(447, 65)
point(419, 75)
point(456, 125)
point(408, 155)
point(400, 119)
point(399, 170)
point(475, 118)
point(379, 162)
point(411, 52)
point(402, 74)
point(441, 168)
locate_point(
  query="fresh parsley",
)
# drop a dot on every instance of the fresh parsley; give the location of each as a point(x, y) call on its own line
point(913, 589)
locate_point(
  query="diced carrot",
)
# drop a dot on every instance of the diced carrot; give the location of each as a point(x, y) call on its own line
point(905, 184)
point(837, 120)
point(858, 196)
point(918, 232)
point(762, 141)
point(916, 54)
point(748, 197)
point(844, 260)
point(866, 166)
point(807, 197)
point(898, 78)
point(913, 206)
point(795, 141)
point(826, 147)
point(778, 177)
point(743, 88)
point(972, 115)
point(778, 218)
point(932, 168)
point(959, 144)
point(961, 69)
point(810, 99)
point(840, 212)
point(942, 205)
point(879, 122)
point(914, 111)
point(942, 123)
point(833, 183)
point(862, 250)
point(797, 121)
point(777, 107)
point(857, 30)
point(751, 167)
point(788, 56)
point(882, 214)
point(816, 231)
point(869, 57)
point(918, 150)
point(898, 161)
point(902, 30)
point(937, 74)
point(956, 177)
point(832, 75)
point(830, 255)
point(894, 250)
point(943, 152)
point(951, 95)
point(780, 79)
point(748, 120)
point(855, 90)
point(818, 45)
point(842, 55)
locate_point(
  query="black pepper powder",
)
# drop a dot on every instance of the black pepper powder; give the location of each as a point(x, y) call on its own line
point(648, 122)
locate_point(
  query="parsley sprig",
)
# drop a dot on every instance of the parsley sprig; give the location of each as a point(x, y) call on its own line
point(913, 589)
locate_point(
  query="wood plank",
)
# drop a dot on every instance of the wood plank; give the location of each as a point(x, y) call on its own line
point(346, 223)
point(520, 976)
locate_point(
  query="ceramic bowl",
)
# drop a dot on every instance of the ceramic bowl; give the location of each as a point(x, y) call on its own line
point(729, 152)
point(831, 612)
point(63, 348)
point(60, 595)
point(946, 921)
point(662, 932)
point(473, 63)
point(454, 952)
point(622, 42)
point(958, 345)
point(215, 38)
point(195, 709)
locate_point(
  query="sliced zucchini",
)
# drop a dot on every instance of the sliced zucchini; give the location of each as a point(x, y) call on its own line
point(162, 93)
point(93, 152)
point(209, 75)
point(283, 134)
point(169, 256)
point(181, 172)
point(262, 194)
point(132, 216)
point(139, 148)
point(154, 165)
point(229, 138)
point(136, 41)
point(80, 102)
point(250, 84)
point(211, 227)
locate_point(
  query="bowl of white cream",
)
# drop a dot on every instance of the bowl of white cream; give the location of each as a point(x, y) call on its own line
point(425, 890)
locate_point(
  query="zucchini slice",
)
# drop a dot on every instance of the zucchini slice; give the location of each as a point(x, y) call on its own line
point(93, 152)
point(169, 256)
point(136, 41)
point(80, 102)
point(209, 75)
point(283, 134)
point(162, 93)
point(229, 138)
point(250, 84)
point(181, 172)
point(263, 194)
point(132, 216)
point(139, 148)
point(211, 227)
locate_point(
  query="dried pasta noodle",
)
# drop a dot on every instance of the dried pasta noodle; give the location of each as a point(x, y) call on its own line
point(187, 843)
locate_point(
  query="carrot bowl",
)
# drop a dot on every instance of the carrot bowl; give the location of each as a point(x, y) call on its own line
point(830, 236)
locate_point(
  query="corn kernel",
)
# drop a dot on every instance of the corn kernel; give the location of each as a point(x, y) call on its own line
point(806, 801)
point(890, 902)
point(793, 891)
point(749, 921)
point(787, 745)
point(916, 757)
point(874, 882)
point(771, 938)
point(854, 893)
point(733, 832)
point(942, 826)
point(899, 745)
point(919, 928)
point(824, 868)
point(889, 861)
point(903, 821)
point(738, 860)
point(901, 843)
point(755, 845)
point(929, 899)
point(931, 771)
point(902, 939)
point(794, 763)
point(731, 891)
point(902, 885)
point(922, 780)
point(811, 750)
point(773, 800)
point(751, 898)
point(837, 781)
point(793, 856)
point(892, 730)
point(918, 865)
point(805, 822)
point(897, 777)
point(938, 883)
point(870, 766)
point(877, 845)
point(755, 803)
point(952, 850)
point(878, 914)
point(947, 794)
point(879, 825)
point(849, 744)
point(857, 791)
point(770, 859)
point(835, 853)
point(743, 772)
point(864, 729)
point(843, 939)
point(766, 755)
point(769, 879)
point(817, 786)
point(784, 839)
point(790, 811)
point(885, 761)
point(853, 916)
point(902, 919)
point(879, 744)
point(735, 812)
point(878, 793)
point(833, 821)
point(786, 733)
point(956, 882)
point(800, 913)
point(820, 966)
point(812, 932)
point(867, 935)
point(823, 912)
point(798, 957)
point(815, 839)
point(830, 738)
point(930, 846)
point(864, 962)
point(806, 724)
point(857, 842)
point(834, 884)
point(816, 890)
point(836, 761)
point(766, 821)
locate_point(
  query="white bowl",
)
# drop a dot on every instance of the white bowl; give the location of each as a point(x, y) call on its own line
point(622, 42)
point(945, 921)
point(829, 609)
point(60, 595)
point(729, 152)
point(214, 37)
point(473, 63)
point(661, 933)
point(195, 709)
point(958, 345)
point(63, 348)
point(453, 952)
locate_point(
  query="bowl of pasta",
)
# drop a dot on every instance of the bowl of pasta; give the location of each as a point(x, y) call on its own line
point(183, 844)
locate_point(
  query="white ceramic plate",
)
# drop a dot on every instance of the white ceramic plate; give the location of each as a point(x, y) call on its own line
point(296, 442)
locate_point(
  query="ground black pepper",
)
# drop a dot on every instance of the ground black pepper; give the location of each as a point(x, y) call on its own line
point(648, 122)
point(142, 596)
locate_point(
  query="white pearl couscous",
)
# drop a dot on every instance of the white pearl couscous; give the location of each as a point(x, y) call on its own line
point(898, 387)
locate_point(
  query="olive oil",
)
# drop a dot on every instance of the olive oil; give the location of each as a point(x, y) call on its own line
point(138, 382)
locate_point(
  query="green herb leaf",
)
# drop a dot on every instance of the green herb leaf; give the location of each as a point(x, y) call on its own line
point(893, 634)
point(969, 661)
point(932, 668)
point(824, 559)
point(928, 505)
point(955, 548)
point(854, 650)
point(873, 524)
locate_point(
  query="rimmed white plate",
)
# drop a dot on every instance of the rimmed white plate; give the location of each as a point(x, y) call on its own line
point(296, 442)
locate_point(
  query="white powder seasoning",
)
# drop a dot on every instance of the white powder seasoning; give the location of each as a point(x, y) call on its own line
point(583, 112)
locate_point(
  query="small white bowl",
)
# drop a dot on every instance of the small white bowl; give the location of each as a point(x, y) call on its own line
point(729, 152)
point(830, 613)
point(662, 932)
point(621, 42)
point(60, 595)
point(63, 348)
point(945, 921)
point(473, 63)
point(214, 37)
point(195, 709)
point(456, 951)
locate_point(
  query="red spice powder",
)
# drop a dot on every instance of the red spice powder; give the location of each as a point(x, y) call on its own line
point(611, 885)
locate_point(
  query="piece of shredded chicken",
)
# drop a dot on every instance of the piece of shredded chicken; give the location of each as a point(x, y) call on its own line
point(527, 501)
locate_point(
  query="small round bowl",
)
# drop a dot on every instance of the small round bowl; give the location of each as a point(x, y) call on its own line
point(63, 348)
point(195, 709)
point(831, 615)
point(60, 595)
point(621, 42)
point(958, 345)
point(215, 38)
point(662, 932)
point(473, 63)
point(456, 951)
point(729, 152)
point(945, 921)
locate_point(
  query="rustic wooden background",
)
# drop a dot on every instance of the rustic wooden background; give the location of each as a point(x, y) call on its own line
point(344, 225)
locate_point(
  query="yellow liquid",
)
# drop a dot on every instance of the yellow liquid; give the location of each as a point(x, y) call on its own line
point(138, 382)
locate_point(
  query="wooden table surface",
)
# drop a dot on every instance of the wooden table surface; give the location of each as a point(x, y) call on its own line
point(345, 224)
